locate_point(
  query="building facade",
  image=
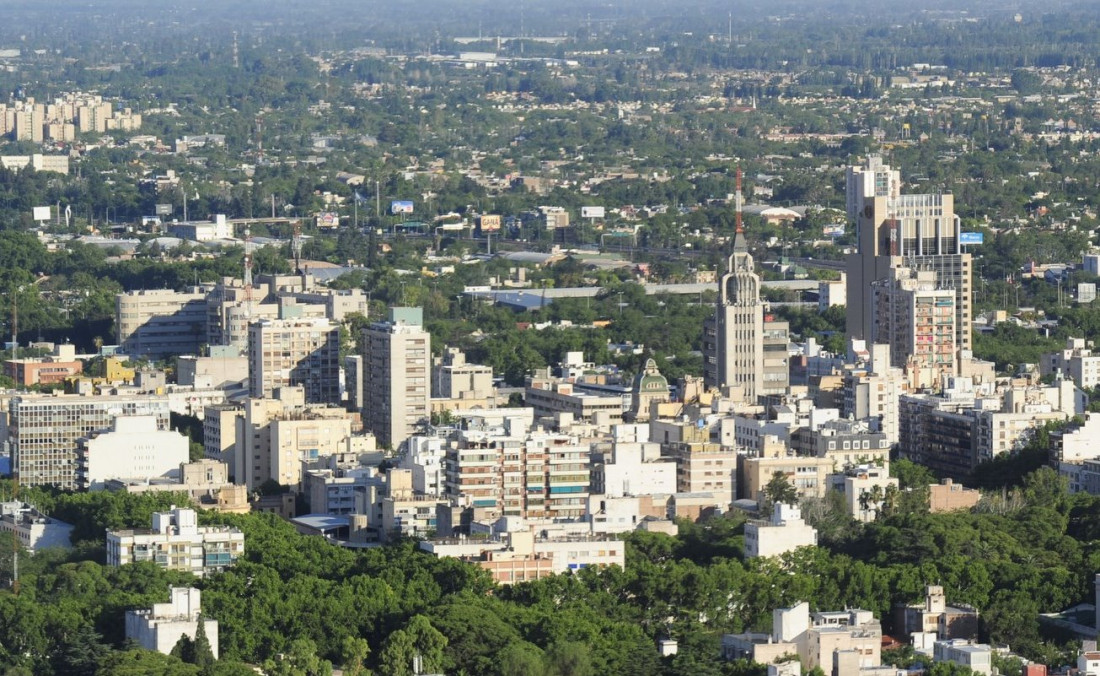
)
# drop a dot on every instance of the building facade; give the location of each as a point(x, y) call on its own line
point(44, 431)
point(162, 626)
point(134, 448)
point(396, 369)
point(295, 352)
point(177, 542)
point(157, 323)
point(895, 230)
point(275, 437)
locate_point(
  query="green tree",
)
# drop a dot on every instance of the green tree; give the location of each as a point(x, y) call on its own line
point(80, 652)
point(353, 655)
point(300, 659)
point(568, 658)
point(419, 640)
point(144, 663)
point(202, 652)
point(780, 490)
point(520, 659)
point(1026, 82)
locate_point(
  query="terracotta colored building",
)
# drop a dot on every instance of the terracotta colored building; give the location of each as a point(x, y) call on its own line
point(45, 371)
point(949, 496)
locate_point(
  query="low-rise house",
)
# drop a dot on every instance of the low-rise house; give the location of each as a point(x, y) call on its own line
point(948, 496)
point(784, 532)
point(520, 556)
point(935, 616)
point(842, 643)
point(977, 656)
point(35, 530)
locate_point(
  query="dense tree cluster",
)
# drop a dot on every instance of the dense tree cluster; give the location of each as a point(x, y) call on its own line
point(297, 604)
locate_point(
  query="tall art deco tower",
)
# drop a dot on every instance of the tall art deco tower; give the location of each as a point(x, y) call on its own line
point(744, 350)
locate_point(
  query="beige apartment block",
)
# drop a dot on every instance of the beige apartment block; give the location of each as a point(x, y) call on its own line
point(396, 371)
point(808, 475)
point(276, 436)
point(157, 323)
point(295, 352)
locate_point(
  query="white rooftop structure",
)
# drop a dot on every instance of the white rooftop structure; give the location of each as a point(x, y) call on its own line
point(162, 626)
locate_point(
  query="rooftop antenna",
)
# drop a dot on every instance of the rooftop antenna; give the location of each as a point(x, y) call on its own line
point(737, 204)
point(739, 231)
point(296, 246)
point(260, 140)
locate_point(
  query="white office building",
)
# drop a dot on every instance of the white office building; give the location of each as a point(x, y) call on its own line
point(133, 449)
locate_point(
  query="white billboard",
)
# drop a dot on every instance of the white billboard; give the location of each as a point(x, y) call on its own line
point(328, 219)
point(41, 213)
point(592, 212)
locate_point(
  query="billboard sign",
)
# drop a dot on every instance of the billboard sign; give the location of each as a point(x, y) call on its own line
point(592, 212)
point(401, 207)
point(41, 213)
point(489, 222)
point(164, 210)
point(971, 238)
point(833, 230)
point(328, 219)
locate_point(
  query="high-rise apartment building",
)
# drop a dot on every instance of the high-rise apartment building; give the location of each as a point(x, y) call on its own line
point(29, 123)
point(44, 431)
point(286, 352)
point(916, 318)
point(396, 372)
point(866, 183)
point(920, 232)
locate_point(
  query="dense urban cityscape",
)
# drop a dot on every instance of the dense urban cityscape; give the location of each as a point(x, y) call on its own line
point(519, 339)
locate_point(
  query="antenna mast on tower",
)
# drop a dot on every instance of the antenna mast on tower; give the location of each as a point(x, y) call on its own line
point(296, 246)
point(248, 273)
point(259, 139)
point(737, 204)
